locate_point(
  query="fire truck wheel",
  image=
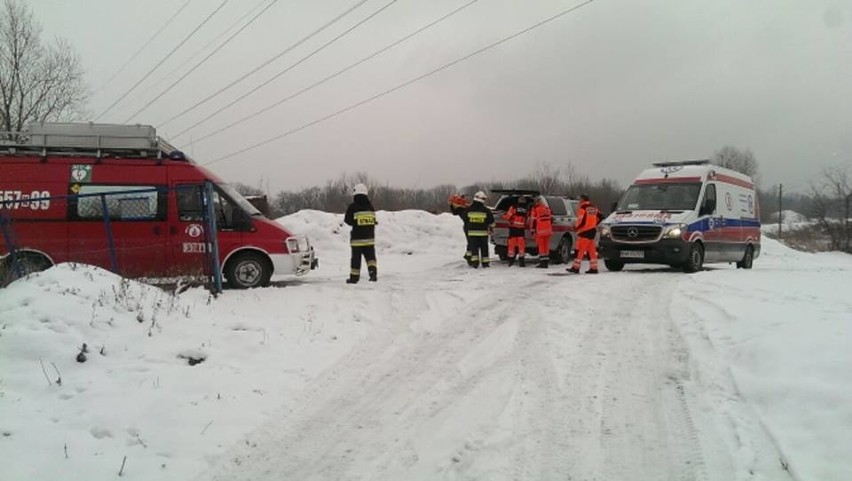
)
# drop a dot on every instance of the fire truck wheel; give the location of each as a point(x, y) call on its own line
point(31, 262)
point(247, 270)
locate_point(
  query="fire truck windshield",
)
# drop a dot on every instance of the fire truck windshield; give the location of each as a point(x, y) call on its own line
point(239, 200)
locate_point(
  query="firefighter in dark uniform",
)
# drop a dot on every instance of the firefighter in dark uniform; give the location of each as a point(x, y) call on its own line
point(478, 221)
point(362, 217)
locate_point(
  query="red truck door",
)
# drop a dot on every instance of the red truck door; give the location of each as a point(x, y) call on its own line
point(135, 220)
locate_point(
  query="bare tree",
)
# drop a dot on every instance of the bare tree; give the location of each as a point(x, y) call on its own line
point(38, 82)
point(736, 159)
point(831, 207)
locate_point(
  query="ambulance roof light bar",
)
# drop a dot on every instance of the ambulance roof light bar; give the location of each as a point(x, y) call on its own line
point(682, 163)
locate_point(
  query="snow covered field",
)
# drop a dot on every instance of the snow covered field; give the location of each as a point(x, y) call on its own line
point(436, 372)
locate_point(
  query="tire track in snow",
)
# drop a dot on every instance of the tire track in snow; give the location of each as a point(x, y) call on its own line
point(343, 415)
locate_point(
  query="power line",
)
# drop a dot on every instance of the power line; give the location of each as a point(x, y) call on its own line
point(133, 57)
point(291, 67)
point(171, 74)
point(339, 72)
point(175, 49)
point(202, 61)
point(264, 64)
point(402, 85)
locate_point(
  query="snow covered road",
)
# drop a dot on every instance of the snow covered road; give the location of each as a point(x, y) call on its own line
point(500, 374)
point(436, 372)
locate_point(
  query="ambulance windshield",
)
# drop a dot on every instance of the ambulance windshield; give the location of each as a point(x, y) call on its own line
point(662, 196)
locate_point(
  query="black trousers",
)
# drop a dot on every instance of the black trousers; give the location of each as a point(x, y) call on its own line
point(478, 248)
point(369, 253)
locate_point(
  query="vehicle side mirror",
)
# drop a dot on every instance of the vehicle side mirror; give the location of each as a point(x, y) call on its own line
point(707, 207)
point(613, 207)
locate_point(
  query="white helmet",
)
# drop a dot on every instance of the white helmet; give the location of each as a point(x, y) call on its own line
point(479, 196)
point(359, 189)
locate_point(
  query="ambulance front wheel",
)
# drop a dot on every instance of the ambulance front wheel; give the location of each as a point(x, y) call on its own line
point(247, 270)
point(613, 265)
point(695, 259)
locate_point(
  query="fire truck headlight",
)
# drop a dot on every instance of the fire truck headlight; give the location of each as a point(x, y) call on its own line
point(674, 231)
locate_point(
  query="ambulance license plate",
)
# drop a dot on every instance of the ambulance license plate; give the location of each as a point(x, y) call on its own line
point(632, 254)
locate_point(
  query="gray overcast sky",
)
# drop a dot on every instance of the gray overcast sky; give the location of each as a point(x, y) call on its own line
point(608, 88)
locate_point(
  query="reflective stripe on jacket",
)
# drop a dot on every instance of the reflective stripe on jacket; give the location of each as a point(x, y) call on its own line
point(587, 220)
point(517, 216)
point(362, 217)
point(478, 219)
point(541, 220)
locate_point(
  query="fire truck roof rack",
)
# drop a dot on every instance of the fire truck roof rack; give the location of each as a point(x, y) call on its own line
point(89, 139)
point(682, 162)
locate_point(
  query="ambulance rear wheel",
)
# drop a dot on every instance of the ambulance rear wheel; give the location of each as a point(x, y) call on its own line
point(748, 258)
point(695, 259)
point(247, 270)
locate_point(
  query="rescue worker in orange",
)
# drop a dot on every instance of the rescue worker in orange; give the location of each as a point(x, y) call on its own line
point(458, 206)
point(586, 228)
point(517, 242)
point(541, 227)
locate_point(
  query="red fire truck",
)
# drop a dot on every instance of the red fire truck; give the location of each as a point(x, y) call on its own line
point(119, 197)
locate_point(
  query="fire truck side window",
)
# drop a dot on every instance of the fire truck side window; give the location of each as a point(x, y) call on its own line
point(190, 206)
point(123, 202)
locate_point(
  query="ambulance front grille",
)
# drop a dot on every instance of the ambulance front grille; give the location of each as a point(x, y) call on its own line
point(636, 233)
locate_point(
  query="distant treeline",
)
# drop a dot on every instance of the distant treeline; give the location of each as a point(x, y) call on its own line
point(335, 195)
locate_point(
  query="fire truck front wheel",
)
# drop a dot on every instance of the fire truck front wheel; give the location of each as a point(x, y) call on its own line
point(248, 269)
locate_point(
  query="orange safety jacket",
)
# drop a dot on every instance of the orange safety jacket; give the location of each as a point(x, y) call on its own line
point(587, 220)
point(541, 220)
point(517, 217)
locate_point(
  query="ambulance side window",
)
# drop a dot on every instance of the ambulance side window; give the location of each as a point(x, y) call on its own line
point(708, 206)
point(123, 203)
point(189, 204)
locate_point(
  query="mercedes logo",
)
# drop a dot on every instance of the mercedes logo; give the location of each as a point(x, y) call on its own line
point(632, 232)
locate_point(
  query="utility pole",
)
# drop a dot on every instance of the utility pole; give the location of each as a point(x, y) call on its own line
point(846, 221)
point(780, 195)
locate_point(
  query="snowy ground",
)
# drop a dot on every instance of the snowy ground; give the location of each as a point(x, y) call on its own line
point(435, 372)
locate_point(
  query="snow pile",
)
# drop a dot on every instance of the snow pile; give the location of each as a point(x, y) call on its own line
point(790, 220)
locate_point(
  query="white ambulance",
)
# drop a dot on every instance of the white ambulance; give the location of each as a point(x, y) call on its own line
point(684, 214)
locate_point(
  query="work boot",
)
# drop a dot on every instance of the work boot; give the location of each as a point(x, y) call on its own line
point(373, 277)
point(592, 271)
point(352, 280)
point(511, 261)
point(542, 264)
point(521, 262)
point(573, 269)
point(486, 264)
